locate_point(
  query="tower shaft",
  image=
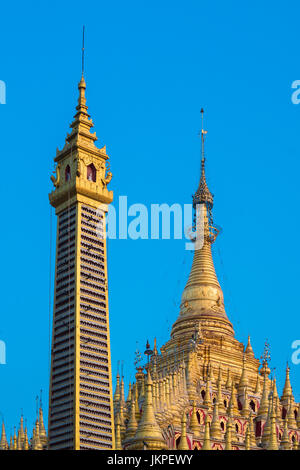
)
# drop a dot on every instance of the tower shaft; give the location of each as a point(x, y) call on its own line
point(80, 402)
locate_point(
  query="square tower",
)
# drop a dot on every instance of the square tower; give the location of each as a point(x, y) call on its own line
point(80, 401)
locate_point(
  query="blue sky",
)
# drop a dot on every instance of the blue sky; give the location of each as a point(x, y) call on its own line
point(149, 70)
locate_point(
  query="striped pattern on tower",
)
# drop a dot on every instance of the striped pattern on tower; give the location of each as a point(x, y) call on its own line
point(80, 389)
point(95, 389)
point(61, 422)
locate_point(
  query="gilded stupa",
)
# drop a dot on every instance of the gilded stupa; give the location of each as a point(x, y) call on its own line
point(20, 440)
point(205, 389)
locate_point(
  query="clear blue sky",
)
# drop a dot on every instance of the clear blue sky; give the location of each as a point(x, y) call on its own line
point(150, 67)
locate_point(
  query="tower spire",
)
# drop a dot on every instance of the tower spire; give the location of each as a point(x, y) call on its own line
point(206, 441)
point(287, 391)
point(203, 194)
point(183, 445)
point(202, 302)
point(81, 197)
point(82, 54)
point(148, 431)
point(3, 442)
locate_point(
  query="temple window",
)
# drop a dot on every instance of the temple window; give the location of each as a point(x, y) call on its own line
point(91, 173)
point(68, 173)
point(203, 394)
point(283, 413)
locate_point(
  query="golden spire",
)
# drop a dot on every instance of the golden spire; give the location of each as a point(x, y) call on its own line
point(25, 444)
point(202, 300)
point(194, 424)
point(251, 430)
point(82, 124)
point(290, 414)
point(19, 441)
point(232, 408)
point(122, 390)
point(276, 399)
point(263, 407)
point(137, 408)
point(215, 429)
point(15, 440)
point(220, 375)
point(37, 445)
point(155, 348)
point(247, 440)
point(148, 432)
point(132, 423)
point(287, 391)
point(122, 421)
point(142, 389)
point(129, 397)
point(228, 381)
point(243, 379)
point(228, 435)
point(219, 394)
point(3, 442)
point(207, 397)
point(139, 380)
point(117, 394)
point(118, 442)
point(21, 428)
point(245, 409)
point(42, 430)
point(274, 388)
point(273, 444)
point(249, 349)
point(183, 444)
point(206, 440)
point(267, 427)
point(285, 441)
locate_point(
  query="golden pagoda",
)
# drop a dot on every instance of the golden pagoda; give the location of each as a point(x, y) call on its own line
point(205, 389)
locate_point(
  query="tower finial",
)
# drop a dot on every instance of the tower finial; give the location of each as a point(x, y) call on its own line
point(203, 195)
point(82, 55)
point(203, 133)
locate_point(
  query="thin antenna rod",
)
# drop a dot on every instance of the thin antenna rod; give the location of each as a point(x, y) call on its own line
point(203, 132)
point(82, 64)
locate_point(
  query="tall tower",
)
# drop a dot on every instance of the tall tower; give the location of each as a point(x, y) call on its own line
point(80, 402)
